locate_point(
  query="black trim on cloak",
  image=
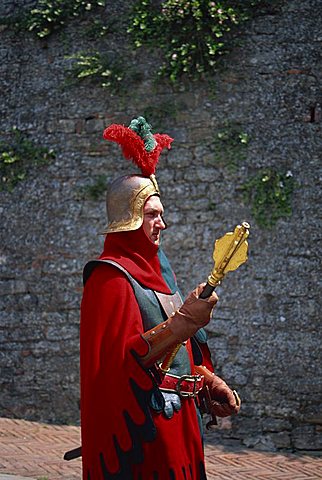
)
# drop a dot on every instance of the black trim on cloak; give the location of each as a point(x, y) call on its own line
point(138, 433)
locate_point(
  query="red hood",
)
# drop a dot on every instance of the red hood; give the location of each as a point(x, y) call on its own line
point(138, 255)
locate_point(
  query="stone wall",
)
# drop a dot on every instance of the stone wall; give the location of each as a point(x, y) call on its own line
point(265, 336)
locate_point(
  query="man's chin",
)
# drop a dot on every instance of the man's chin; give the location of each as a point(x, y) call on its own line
point(155, 239)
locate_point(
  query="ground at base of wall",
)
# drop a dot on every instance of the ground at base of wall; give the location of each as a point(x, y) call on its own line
point(34, 451)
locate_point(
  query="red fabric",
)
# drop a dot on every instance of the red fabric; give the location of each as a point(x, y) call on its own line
point(106, 366)
point(177, 446)
point(138, 255)
point(133, 147)
point(111, 328)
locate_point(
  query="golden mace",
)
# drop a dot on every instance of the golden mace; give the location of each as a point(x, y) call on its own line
point(230, 251)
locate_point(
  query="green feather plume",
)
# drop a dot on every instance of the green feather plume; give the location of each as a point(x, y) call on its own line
point(143, 129)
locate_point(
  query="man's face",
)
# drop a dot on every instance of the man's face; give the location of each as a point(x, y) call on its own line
point(152, 219)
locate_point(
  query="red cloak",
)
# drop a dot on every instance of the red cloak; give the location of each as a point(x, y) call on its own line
point(122, 437)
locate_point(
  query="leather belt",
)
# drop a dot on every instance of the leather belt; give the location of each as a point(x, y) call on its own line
point(185, 386)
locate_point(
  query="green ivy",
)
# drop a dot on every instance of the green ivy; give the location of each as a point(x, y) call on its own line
point(230, 146)
point(51, 15)
point(191, 33)
point(17, 156)
point(98, 29)
point(270, 193)
point(98, 67)
point(103, 69)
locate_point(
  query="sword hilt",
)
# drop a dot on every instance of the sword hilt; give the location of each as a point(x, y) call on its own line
point(72, 454)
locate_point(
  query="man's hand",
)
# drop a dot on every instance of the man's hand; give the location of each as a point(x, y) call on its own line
point(179, 327)
point(193, 314)
point(223, 401)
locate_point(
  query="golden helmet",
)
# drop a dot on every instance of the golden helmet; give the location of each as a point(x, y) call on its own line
point(125, 200)
point(127, 195)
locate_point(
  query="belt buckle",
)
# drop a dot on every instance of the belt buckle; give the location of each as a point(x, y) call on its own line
point(187, 378)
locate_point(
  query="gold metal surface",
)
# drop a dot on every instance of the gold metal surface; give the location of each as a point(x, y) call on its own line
point(230, 251)
point(168, 359)
point(125, 201)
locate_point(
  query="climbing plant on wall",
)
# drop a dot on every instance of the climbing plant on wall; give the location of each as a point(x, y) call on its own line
point(17, 155)
point(50, 15)
point(230, 146)
point(190, 33)
point(269, 192)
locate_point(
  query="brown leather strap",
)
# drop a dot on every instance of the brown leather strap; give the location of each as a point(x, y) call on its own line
point(160, 340)
point(169, 303)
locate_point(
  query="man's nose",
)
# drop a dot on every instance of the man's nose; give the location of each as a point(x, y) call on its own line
point(161, 223)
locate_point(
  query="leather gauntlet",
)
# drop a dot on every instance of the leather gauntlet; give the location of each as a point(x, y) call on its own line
point(223, 402)
point(183, 324)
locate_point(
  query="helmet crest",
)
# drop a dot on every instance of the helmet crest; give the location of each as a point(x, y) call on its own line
point(139, 144)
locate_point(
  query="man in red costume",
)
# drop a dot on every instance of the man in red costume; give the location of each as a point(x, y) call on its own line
point(140, 402)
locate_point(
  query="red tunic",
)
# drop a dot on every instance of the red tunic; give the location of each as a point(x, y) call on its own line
point(122, 437)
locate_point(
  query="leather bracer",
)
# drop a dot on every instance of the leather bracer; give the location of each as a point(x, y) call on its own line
point(160, 340)
point(183, 324)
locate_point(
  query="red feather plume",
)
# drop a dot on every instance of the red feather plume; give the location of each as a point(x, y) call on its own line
point(133, 147)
